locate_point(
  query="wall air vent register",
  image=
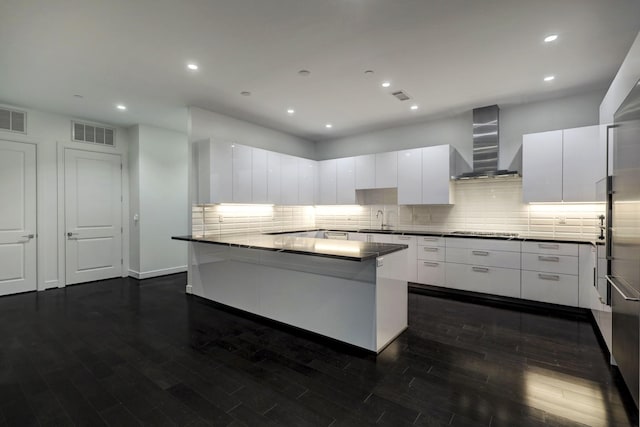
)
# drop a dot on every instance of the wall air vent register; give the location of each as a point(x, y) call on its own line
point(85, 132)
point(13, 120)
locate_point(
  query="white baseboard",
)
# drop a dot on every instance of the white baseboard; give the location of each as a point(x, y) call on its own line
point(156, 273)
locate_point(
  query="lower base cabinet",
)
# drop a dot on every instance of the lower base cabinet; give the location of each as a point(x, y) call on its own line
point(548, 287)
point(431, 272)
point(488, 280)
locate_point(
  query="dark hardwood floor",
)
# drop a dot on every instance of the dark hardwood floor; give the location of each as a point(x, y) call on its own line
point(123, 352)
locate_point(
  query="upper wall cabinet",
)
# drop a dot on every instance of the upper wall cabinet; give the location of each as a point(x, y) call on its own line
point(365, 171)
point(424, 175)
point(260, 176)
point(289, 181)
point(242, 180)
point(563, 165)
point(439, 163)
point(327, 175)
point(410, 177)
point(387, 170)
point(307, 177)
point(215, 163)
point(346, 181)
point(274, 178)
point(542, 167)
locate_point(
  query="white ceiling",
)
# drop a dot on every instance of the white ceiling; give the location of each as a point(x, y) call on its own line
point(449, 55)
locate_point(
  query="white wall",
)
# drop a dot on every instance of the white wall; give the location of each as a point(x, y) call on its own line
point(159, 168)
point(207, 124)
point(627, 76)
point(47, 130)
point(515, 120)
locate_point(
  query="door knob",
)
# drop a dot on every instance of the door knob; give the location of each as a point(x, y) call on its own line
point(70, 235)
point(28, 236)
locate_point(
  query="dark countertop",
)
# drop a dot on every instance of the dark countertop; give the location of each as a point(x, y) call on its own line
point(520, 237)
point(342, 249)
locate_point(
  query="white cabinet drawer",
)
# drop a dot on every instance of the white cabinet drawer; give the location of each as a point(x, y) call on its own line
point(431, 241)
point(491, 258)
point(550, 263)
point(431, 253)
point(483, 244)
point(490, 280)
point(431, 273)
point(549, 287)
point(550, 248)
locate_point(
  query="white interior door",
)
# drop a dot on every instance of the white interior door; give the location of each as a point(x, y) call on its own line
point(17, 217)
point(93, 207)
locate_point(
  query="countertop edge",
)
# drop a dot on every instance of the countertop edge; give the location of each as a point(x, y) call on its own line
point(391, 248)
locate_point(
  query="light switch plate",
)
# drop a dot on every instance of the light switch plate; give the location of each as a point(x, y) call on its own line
point(379, 262)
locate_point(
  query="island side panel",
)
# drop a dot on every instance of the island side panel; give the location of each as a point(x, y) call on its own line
point(328, 296)
point(391, 297)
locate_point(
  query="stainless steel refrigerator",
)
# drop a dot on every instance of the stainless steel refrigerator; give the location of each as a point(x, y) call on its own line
point(624, 246)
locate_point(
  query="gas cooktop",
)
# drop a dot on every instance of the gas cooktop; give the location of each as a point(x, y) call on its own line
point(485, 233)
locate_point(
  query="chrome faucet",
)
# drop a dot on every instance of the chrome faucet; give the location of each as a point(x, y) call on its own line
point(382, 224)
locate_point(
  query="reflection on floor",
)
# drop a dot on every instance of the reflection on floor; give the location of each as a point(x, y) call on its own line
point(123, 352)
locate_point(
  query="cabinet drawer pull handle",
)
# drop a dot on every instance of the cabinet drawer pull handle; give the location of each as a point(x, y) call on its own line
point(480, 269)
point(549, 258)
point(431, 264)
point(553, 277)
point(480, 253)
point(545, 246)
point(404, 238)
point(428, 249)
point(430, 239)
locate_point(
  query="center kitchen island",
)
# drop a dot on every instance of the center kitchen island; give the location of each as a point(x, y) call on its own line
point(350, 291)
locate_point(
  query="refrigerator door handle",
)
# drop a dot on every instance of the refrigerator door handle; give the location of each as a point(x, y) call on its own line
point(612, 280)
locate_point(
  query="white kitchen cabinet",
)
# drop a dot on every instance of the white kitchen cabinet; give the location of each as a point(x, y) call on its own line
point(327, 176)
point(542, 167)
point(346, 181)
point(274, 178)
point(214, 161)
point(431, 260)
point(563, 165)
point(387, 170)
point(259, 178)
point(365, 171)
point(438, 165)
point(586, 274)
point(412, 251)
point(483, 265)
point(550, 272)
point(242, 174)
point(289, 181)
point(583, 163)
point(489, 280)
point(359, 237)
point(410, 177)
point(307, 172)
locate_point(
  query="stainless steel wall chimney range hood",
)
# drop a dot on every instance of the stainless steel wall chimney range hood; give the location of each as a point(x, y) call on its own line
point(486, 143)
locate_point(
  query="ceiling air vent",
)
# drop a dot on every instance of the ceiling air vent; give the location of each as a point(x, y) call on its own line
point(13, 120)
point(85, 132)
point(401, 95)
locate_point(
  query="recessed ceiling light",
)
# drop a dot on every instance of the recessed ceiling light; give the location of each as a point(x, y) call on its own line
point(368, 73)
point(551, 38)
point(245, 93)
point(328, 125)
point(414, 107)
point(549, 78)
point(121, 107)
point(304, 73)
point(386, 84)
point(192, 66)
point(291, 111)
point(78, 96)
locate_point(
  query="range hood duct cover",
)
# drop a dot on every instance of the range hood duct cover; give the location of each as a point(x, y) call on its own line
point(486, 137)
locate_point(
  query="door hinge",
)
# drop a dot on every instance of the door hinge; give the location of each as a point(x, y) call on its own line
point(121, 230)
point(121, 261)
point(120, 166)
